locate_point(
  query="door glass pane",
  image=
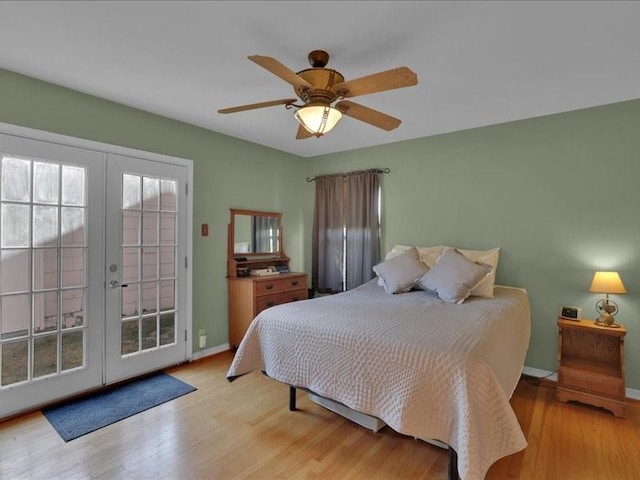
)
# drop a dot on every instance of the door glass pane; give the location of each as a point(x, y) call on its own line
point(149, 263)
point(150, 193)
point(15, 362)
point(14, 271)
point(15, 316)
point(167, 262)
point(149, 297)
point(130, 341)
point(45, 182)
point(131, 228)
point(168, 195)
point(45, 312)
point(73, 231)
point(72, 264)
point(45, 226)
point(45, 268)
point(149, 228)
point(130, 301)
point(131, 192)
point(167, 329)
point(45, 355)
point(73, 185)
point(15, 225)
point(149, 332)
point(167, 295)
point(168, 228)
point(16, 180)
point(72, 310)
point(72, 349)
point(130, 265)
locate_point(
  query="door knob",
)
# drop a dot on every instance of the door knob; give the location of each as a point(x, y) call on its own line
point(116, 284)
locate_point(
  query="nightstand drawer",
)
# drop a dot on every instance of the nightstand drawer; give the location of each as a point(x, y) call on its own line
point(267, 301)
point(585, 382)
point(276, 285)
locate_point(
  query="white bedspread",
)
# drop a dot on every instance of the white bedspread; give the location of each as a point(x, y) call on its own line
point(427, 368)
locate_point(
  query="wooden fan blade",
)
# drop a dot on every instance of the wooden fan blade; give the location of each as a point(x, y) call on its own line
point(280, 70)
point(303, 133)
point(253, 106)
point(368, 115)
point(378, 82)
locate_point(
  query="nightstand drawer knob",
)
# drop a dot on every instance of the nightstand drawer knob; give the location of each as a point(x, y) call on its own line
point(269, 286)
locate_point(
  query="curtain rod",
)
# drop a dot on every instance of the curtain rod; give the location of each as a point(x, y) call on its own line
point(376, 170)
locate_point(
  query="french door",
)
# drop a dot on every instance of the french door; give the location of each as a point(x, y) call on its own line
point(145, 266)
point(92, 269)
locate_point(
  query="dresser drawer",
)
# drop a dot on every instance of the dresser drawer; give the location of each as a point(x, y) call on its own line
point(585, 382)
point(276, 285)
point(267, 301)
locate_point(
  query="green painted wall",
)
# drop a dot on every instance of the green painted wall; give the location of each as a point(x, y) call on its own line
point(559, 194)
point(228, 173)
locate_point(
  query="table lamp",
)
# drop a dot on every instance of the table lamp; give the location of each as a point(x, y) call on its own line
point(607, 282)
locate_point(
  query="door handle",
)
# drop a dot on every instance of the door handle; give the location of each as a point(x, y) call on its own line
point(116, 284)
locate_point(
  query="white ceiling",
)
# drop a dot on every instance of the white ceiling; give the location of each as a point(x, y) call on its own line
point(478, 63)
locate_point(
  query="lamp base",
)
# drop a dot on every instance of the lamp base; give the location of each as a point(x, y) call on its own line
point(606, 321)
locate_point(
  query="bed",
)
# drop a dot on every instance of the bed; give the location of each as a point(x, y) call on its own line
point(425, 367)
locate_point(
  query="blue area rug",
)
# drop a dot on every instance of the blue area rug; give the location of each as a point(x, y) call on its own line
point(90, 413)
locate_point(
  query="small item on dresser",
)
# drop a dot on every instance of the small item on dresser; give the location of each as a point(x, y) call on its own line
point(571, 313)
point(262, 272)
point(243, 272)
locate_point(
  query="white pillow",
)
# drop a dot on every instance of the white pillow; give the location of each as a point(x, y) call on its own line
point(454, 276)
point(488, 257)
point(400, 273)
point(430, 255)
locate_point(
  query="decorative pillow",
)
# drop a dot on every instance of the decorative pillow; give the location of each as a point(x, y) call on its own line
point(488, 257)
point(396, 251)
point(400, 273)
point(430, 255)
point(454, 276)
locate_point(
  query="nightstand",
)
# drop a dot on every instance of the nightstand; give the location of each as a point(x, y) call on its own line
point(591, 365)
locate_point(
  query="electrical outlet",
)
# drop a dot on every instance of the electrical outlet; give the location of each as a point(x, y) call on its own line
point(203, 341)
point(201, 332)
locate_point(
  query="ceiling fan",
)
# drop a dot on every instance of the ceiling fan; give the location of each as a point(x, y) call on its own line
point(318, 87)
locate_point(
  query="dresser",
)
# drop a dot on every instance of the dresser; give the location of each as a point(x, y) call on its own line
point(248, 296)
point(255, 244)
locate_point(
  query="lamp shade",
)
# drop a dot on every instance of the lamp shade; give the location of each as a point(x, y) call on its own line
point(318, 119)
point(607, 282)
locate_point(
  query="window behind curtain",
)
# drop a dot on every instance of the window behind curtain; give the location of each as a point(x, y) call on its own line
point(346, 230)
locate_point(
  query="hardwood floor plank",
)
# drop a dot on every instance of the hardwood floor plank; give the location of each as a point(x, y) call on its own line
point(244, 430)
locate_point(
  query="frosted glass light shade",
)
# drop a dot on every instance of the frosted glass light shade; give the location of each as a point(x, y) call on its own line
point(607, 282)
point(318, 119)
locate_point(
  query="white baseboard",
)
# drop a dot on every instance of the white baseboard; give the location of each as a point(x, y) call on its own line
point(210, 351)
point(553, 376)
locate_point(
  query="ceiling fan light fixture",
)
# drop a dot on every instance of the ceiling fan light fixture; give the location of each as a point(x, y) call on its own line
point(318, 119)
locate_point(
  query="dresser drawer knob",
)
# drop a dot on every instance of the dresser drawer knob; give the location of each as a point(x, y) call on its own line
point(270, 303)
point(268, 286)
point(294, 282)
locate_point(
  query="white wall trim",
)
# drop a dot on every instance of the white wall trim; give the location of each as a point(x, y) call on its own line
point(553, 376)
point(210, 351)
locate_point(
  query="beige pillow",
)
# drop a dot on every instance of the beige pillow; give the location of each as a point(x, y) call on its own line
point(488, 257)
point(430, 255)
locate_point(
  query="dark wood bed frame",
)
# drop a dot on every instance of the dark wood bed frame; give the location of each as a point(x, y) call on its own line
point(453, 456)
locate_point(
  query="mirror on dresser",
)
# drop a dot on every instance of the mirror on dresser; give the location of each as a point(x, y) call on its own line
point(257, 269)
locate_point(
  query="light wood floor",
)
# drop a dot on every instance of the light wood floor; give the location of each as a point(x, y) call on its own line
point(244, 430)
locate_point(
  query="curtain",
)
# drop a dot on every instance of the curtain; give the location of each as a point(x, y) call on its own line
point(346, 240)
point(362, 227)
point(328, 226)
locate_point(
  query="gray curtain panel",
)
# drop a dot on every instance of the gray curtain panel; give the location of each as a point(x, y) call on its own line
point(363, 227)
point(346, 231)
point(264, 234)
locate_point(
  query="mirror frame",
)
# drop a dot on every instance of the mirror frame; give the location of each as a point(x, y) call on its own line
point(254, 213)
